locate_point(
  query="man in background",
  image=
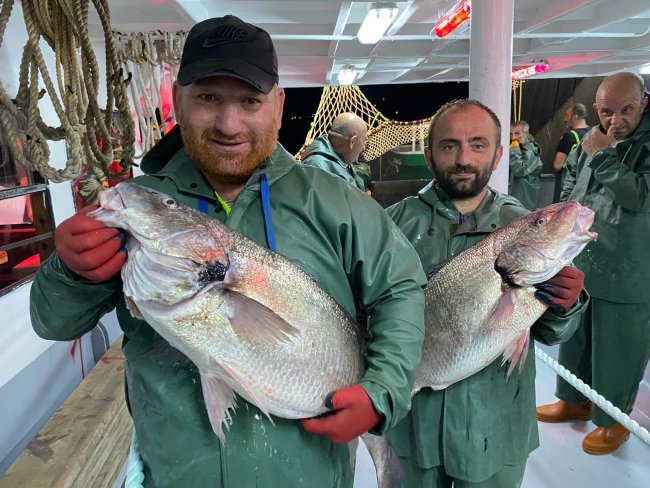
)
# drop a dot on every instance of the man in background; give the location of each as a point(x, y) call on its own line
point(576, 124)
point(610, 350)
point(339, 150)
point(525, 165)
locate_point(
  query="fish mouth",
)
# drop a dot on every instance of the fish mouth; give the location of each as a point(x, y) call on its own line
point(583, 222)
point(111, 205)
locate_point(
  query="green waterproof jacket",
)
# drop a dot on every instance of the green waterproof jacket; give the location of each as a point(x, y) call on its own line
point(475, 426)
point(525, 168)
point(321, 154)
point(365, 173)
point(615, 184)
point(338, 235)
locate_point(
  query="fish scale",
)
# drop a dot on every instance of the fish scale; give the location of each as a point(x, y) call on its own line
point(253, 322)
point(462, 334)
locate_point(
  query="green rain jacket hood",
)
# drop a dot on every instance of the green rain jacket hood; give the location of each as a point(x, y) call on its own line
point(321, 154)
point(342, 238)
point(475, 426)
point(615, 184)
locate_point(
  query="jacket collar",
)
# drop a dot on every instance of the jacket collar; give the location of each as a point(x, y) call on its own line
point(323, 147)
point(485, 217)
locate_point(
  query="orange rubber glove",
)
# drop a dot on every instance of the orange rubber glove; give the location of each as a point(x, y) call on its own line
point(562, 291)
point(89, 248)
point(353, 415)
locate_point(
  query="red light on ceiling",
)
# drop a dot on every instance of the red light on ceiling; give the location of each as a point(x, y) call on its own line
point(449, 22)
point(531, 70)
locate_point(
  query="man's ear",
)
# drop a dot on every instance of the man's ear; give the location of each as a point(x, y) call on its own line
point(497, 157)
point(175, 96)
point(352, 140)
point(428, 156)
point(279, 93)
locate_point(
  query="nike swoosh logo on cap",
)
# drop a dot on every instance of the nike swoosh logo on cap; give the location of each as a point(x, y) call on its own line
point(224, 35)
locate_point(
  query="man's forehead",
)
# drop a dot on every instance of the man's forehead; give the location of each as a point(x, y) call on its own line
point(610, 95)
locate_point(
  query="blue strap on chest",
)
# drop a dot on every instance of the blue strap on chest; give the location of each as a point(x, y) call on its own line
point(203, 205)
point(266, 210)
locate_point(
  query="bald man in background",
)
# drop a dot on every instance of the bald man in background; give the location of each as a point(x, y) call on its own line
point(610, 349)
point(338, 150)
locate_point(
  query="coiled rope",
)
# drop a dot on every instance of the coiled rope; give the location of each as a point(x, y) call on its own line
point(63, 24)
point(595, 397)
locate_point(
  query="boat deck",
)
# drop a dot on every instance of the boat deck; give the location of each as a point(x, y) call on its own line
point(560, 462)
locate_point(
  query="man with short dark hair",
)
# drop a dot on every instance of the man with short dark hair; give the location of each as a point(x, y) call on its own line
point(479, 431)
point(610, 350)
point(225, 160)
point(525, 165)
point(338, 151)
point(576, 124)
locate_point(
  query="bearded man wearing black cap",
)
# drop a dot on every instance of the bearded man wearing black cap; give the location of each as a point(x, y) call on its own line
point(224, 159)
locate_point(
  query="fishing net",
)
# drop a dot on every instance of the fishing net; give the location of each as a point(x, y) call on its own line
point(383, 134)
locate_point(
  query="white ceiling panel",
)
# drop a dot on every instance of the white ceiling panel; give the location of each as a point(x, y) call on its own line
point(315, 37)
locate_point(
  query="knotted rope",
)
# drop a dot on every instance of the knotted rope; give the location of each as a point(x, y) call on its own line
point(63, 25)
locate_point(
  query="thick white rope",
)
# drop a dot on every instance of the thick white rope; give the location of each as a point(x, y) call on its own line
point(595, 397)
point(134, 466)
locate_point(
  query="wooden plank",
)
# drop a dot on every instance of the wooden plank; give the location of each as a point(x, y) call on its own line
point(86, 442)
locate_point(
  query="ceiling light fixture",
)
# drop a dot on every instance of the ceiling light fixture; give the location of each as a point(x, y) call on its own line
point(452, 19)
point(377, 21)
point(347, 74)
point(531, 70)
point(645, 69)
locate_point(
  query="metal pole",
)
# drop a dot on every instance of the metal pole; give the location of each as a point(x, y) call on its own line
point(490, 69)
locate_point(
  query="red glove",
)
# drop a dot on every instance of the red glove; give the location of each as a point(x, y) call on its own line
point(562, 291)
point(89, 248)
point(353, 415)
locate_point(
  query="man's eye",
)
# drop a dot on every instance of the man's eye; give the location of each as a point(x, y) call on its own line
point(251, 102)
point(206, 97)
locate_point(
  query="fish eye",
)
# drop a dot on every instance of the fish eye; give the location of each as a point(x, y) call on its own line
point(541, 221)
point(170, 202)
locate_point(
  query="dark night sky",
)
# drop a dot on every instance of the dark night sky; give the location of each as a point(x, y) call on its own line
point(397, 102)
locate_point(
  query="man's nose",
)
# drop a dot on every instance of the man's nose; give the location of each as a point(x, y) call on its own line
point(228, 120)
point(615, 120)
point(463, 155)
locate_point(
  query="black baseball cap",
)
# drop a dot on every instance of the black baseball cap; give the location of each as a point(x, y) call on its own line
point(231, 47)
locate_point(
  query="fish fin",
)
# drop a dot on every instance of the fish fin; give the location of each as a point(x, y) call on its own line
point(252, 394)
point(503, 309)
point(133, 308)
point(219, 399)
point(253, 320)
point(517, 350)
